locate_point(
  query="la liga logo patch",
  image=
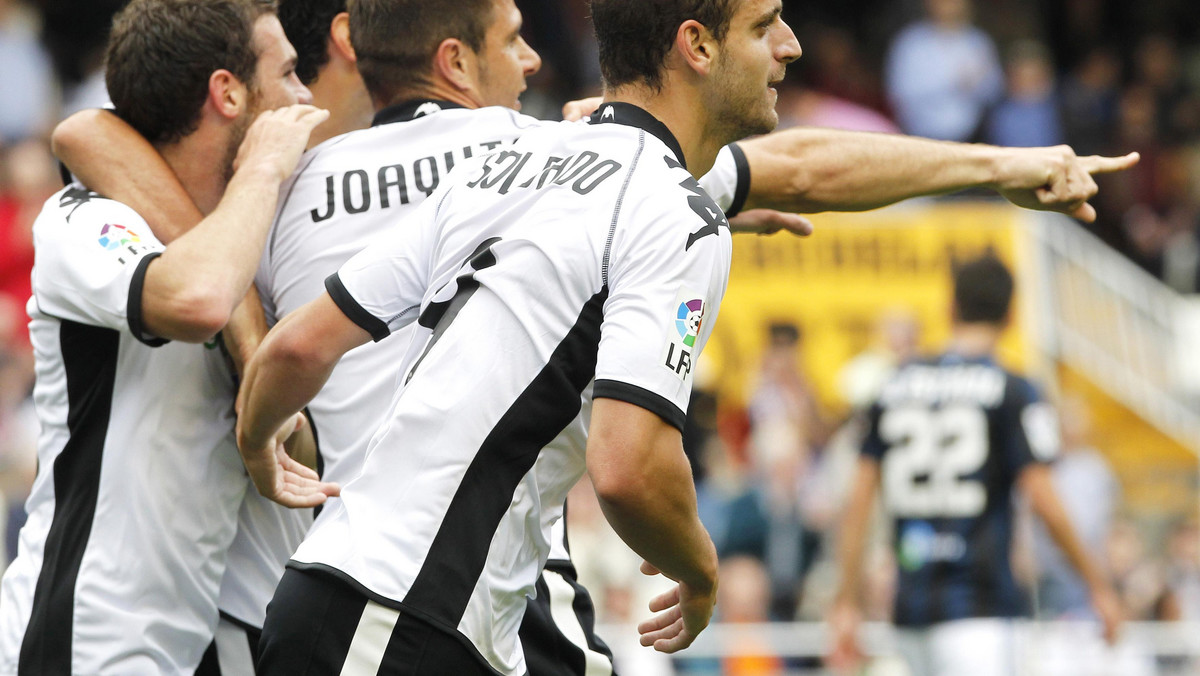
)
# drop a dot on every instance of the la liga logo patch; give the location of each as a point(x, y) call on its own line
point(688, 320)
point(113, 236)
point(681, 336)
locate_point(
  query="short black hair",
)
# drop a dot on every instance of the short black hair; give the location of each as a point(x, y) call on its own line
point(306, 24)
point(635, 36)
point(395, 40)
point(983, 290)
point(161, 54)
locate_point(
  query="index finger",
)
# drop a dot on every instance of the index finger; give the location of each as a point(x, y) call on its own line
point(1097, 164)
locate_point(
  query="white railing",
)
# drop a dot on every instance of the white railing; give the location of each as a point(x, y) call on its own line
point(1040, 648)
point(1102, 315)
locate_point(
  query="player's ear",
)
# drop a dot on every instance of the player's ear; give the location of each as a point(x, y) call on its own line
point(695, 47)
point(339, 37)
point(455, 63)
point(226, 94)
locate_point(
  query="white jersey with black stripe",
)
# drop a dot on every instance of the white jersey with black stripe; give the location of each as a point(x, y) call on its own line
point(582, 261)
point(139, 478)
point(347, 192)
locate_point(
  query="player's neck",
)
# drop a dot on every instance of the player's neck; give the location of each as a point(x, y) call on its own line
point(975, 339)
point(344, 95)
point(434, 91)
point(199, 161)
point(687, 120)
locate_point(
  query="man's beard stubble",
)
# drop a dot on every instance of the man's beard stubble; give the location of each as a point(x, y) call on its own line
point(237, 134)
point(743, 113)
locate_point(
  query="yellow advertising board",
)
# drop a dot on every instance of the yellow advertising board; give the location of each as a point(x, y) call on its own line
point(835, 285)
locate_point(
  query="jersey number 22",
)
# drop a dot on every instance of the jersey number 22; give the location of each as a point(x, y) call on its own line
point(930, 454)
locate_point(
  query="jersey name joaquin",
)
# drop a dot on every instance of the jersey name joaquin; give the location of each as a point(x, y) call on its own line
point(357, 190)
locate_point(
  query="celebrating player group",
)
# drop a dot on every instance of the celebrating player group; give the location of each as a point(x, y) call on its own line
point(326, 329)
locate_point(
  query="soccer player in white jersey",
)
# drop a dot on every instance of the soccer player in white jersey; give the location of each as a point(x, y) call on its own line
point(563, 286)
point(135, 501)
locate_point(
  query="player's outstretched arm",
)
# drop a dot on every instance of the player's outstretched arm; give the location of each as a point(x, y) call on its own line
point(1037, 483)
point(192, 289)
point(644, 485)
point(809, 170)
point(844, 616)
point(288, 370)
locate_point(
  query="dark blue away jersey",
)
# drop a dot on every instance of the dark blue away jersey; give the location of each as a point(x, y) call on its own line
point(951, 436)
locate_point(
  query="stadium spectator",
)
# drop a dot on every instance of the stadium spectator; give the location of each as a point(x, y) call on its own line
point(803, 107)
point(834, 64)
point(1139, 578)
point(30, 98)
point(27, 178)
point(1183, 567)
point(897, 338)
point(1091, 495)
point(769, 521)
point(1089, 101)
point(942, 74)
point(1028, 114)
point(745, 598)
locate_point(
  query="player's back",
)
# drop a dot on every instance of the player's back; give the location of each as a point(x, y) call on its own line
point(347, 192)
point(529, 270)
point(952, 435)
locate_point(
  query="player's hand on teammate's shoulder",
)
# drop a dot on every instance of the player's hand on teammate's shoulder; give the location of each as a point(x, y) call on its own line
point(1055, 178)
point(683, 612)
point(282, 478)
point(769, 222)
point(574, 111)
point(277, 138)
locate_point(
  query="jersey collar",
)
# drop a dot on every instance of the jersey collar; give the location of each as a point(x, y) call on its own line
point(629, 114)
point(411, 110)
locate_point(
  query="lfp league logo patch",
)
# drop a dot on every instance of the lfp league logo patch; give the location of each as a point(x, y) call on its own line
point(689, 317)
point(113, 236)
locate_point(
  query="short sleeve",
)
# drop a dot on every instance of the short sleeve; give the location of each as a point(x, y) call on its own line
point(380, 288)
point(873, 445)
point(728, 182)
point(91, 257)
point(1033, 427)
point(662, 303)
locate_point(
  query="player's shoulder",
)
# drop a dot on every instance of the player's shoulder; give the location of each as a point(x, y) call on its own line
point(1021, 389)
point(77, 211)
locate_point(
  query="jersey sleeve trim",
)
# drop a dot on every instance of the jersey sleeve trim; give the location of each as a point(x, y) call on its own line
point(133, 309)
point(743, 180)
point(355, 312)
point(638, 396)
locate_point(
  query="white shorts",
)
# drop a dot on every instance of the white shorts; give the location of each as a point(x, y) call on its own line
point(979, 647)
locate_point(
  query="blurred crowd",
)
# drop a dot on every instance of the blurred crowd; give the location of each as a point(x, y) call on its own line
point(1105, 76)
point(772, 480)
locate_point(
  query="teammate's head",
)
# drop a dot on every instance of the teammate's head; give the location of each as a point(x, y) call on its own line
point(738, 49)
point(473, 47)
point(166, 58)
point(983, 290)
point(306, 24)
